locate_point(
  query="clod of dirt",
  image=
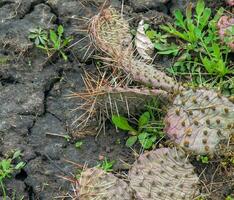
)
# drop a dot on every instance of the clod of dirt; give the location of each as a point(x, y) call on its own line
point(22, 99)
point(58, 101)
point(14, 34)
point(15, 9)
point(42, 177)
point(180, 5)
point(16, 188)
point(145, 5)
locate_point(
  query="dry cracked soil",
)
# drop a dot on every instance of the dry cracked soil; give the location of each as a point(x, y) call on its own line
point(35, 112)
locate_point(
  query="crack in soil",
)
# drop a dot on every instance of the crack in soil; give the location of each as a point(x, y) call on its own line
point(51, 86)
point(53, 11)
point(8, 80)
point(31, 8)
point(5, 3)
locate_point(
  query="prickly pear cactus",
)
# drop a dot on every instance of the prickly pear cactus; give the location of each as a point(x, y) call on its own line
point(95, 184)
point(199, 120)
point(163, 174)
point(110, 33)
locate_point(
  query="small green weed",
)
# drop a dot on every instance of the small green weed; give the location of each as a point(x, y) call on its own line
point(148, 130)
point(50, 42)
point(78, 144)
point(107, 165)
point(228, 161)
point(198, 49)
point(39, 36)
point(118, 141)
point(67, 138)
point(204, 159)
point(78, 173)
point(160, 42)
point(7, 168)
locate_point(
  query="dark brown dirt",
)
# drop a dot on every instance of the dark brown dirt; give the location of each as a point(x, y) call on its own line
point(35, 112)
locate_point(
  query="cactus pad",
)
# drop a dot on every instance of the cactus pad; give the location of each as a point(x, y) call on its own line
point(95, 184)
point(164, 174)
point(110, 33)
point(199, 120)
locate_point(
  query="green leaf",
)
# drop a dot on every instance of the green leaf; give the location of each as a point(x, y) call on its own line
point(16, 154)
point(171, 70)
point(153, 138)
point(144, 119)
point(122, 123)
point(191, 33)
point(20, 165)
point(42, 47)
point(208, 64)
point(63, 55)
point(204, 159)
point(146, 27)
point(197, 32)
point(54, 38)
point(42, 40)
point(78, 144)
point(33, 30)
point(205, 18)
point(180, 19)
point(218, 14)
point(170, 29)
point(216, 50)
point(167, 52)
point(66, 41)
point(60, 30)
point(200, 7)
point(221, 68)
point(151, 34)
point(37, 41)
point(131, 141)
point(145, 141)
point(32, 36)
